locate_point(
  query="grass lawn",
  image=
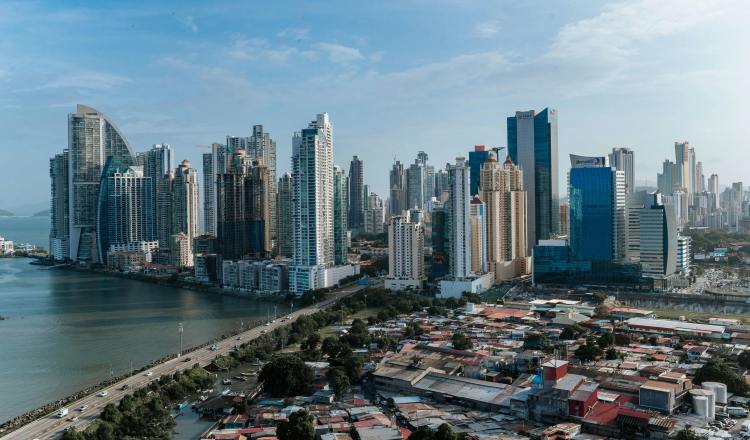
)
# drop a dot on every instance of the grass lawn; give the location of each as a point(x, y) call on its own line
point(698, 316)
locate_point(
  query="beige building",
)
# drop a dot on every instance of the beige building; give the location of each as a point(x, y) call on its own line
point(405, 254)
point(180, 250)
point(501, 190)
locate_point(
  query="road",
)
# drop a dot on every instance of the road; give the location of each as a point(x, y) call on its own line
point(51, 426)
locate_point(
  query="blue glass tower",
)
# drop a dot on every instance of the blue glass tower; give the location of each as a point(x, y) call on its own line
point(532, 143)
point(592, 213)
point(476, 159)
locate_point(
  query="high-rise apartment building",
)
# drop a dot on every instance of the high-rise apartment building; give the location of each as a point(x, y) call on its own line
point(185, 207)
point(92, 140)
point(441, 184)
point(260, 146)
point(713, 188)
point(59, 209)
point(340, 211)
point(623, 159)
point(478, 223)
point(356, 194)
point(428, 178)
point(125, 207)
point(564, 219)
point(284, 216)
point(312, 174)
point(460, 223)
point(501, 189)
point(683, 254)
point(158, 163)
point(596, 196)
point(532, 144)
point(682, 165)
point(415, 180)
point(374, 214)
point(692, 171)
point(405, 254)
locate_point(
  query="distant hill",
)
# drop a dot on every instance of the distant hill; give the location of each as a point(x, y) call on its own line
point(44, 213)
point(4, 213)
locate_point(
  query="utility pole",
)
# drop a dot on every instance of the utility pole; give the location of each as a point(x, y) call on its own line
point(274, 312)
point(180, 329)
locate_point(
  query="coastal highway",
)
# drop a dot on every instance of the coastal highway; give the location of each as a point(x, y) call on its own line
point(51, 426)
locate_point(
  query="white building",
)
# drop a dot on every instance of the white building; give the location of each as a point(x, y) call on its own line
point(623, 159)
point(6, 246)
point(185, 209)
point(405, 254)
point(181, 250)
point(459, 213)
point(374, 214)
point(683, 254)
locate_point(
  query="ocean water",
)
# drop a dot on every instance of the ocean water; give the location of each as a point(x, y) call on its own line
point(33, 230)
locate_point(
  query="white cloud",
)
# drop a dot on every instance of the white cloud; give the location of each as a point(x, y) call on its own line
point(613, 34)
point(487, 29)
point(338, 53)
point(189, 22)
point(294, 33)
point(86, 80)
point(247, 49)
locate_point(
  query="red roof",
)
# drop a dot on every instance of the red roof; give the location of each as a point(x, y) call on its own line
point(603, 413)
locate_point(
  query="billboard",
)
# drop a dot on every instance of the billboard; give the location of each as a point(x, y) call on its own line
point(577, 161)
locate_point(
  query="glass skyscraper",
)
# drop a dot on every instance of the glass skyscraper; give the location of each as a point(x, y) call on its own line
point(476, 160)
point(532, 144)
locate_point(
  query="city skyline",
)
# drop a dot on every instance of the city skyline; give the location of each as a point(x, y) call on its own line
point(390, 79)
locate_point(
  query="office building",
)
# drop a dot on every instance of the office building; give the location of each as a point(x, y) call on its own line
point(92, 140)
point(441, 185)
point(713, 188)
point(374, 214)
point(125, 208)
point(59, 209)
point(214, 163)
point(405, 254)
point(656, 246)
point(478, 227)
point(532, 144)
point(158, 163)
point(623, 159)
point(428, 178)
point(501, 189)
point(564, 219)
point(284, 216)
point(476, 160)
point(415, 182)
point(356, 194)
point(340, 212)
point(440, 242)
point(397, 185)
point(596, 197)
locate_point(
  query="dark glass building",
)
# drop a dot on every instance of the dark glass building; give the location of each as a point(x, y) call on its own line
point(476, 160)
point(440, 237)
point(532, 144)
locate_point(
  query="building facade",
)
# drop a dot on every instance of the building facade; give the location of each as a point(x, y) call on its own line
point(284, 242)
point(356, 212)
point(623, 159)
point(405, 254)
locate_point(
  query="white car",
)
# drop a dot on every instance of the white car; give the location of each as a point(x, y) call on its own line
point(149, 374)
point(83, 408)
point(104, 394)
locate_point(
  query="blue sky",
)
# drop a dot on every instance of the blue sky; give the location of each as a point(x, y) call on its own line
point(395, 76)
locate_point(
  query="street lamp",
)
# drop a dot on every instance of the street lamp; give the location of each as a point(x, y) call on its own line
point(180, 329)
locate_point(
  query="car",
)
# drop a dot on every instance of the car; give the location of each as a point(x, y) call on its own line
point(149, 374)
point(187, 359)
point(73, 419)
point(104, 393)
point(83, 408)
point(124, 387)
point(239, 337)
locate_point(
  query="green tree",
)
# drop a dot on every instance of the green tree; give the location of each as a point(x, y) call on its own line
point(413, 329)
point(622, 339)
point(461, 341)
point(535, 341)
point(606, 340)
point(311, 342)
point(354, 434)
point(688, 434)
point(444, 432)
point(339, 380)
point(422, 433)
point(588, 352)
point(73, 434)
point(286, 375)
point(110, 413)
point(611, 354)
point(299, 426)
point(717, 370)
point(744, 359)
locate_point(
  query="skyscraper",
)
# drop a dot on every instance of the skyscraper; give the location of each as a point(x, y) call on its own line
point(458, 212)
point(340, 211)
point(713, 188)
point(415, 179)
point(657, 237)
point(125, 207)
point(692, 170)
point(59, 210)
point(397, 186)
point(623, 159)
point(441, 183)
point(428, 178)
point(312, 174)
point(670, 177)
point(356, 194)
point(284, 216)
point(501, 189)
point(92, 140)
point(185, 204)
point(476, 160)
point(682, 165)
point(374, 214)
point(260, 146)
point(405, 254)
point(214, 163)
point(597, 211)
point(478, 221)
point(532, 144)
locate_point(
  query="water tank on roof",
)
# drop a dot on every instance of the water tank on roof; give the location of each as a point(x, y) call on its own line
point(719, 389)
